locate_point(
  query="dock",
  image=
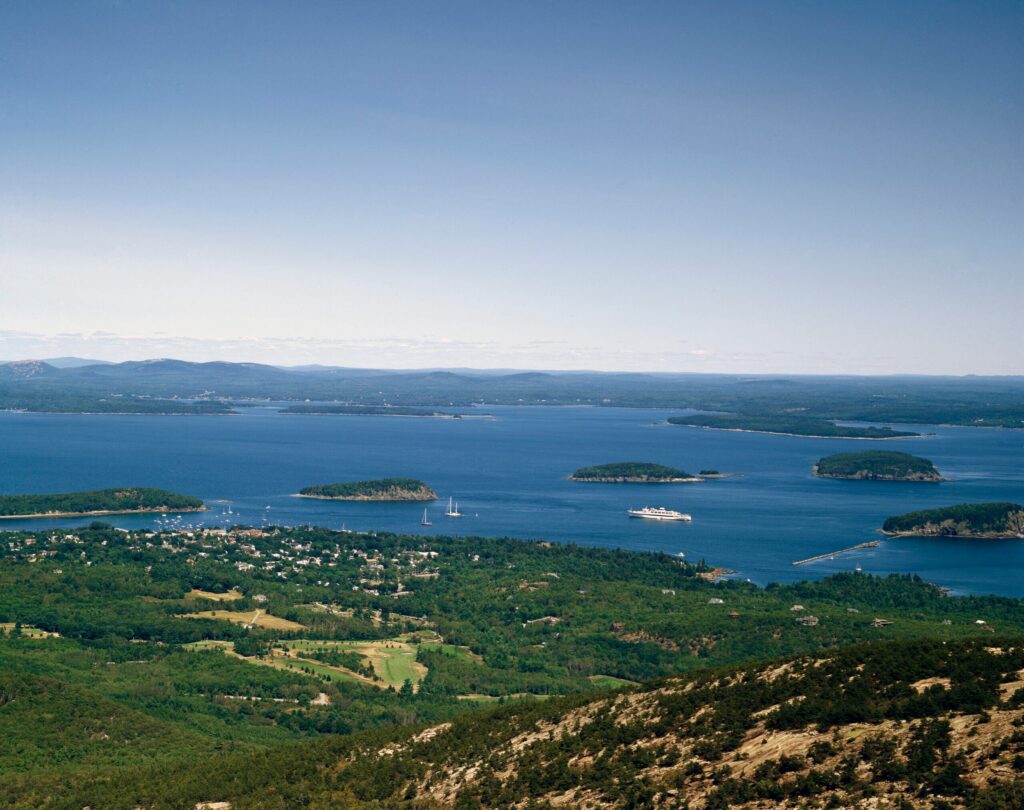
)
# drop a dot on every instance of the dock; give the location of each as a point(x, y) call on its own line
point(868, 544)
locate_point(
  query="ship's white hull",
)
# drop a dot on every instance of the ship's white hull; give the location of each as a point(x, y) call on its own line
point(644, 516)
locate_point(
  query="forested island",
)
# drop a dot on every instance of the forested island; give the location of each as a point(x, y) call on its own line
point(987, 520)
point(369, 410)
point(877, 465)
point(382, 489)
point(116, 501)
point(788, 426)
point(633, 472)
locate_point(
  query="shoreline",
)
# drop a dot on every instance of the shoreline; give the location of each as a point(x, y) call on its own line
point(971, 536)
point(285, 412)
point(937, 480)
point(631, 480)
point(100, 513)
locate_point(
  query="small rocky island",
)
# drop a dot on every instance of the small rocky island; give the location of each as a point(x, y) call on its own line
point(877, 465)
point(986, 520)
point(382, 489)
point(116, 501)
point(633, 472)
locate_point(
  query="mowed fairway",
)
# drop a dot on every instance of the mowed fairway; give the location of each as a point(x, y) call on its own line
point(393, 660)
point(248, 618)
point(228, 596)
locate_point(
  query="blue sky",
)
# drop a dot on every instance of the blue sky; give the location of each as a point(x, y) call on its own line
point(798, 187)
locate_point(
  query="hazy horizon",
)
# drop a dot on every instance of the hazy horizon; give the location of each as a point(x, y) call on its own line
point(700, 187)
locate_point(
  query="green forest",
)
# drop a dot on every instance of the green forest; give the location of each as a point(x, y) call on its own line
point(877, 465)
point(163, 649)
point(117, 499)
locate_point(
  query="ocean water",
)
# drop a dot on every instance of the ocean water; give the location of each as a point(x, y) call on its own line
point(509, 476)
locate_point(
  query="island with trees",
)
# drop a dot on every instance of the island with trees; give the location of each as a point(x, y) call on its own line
point(115, 501)
point(985, 520)
point(382, 489)
point(806, 427)
point(633, 472)
point(877, 465)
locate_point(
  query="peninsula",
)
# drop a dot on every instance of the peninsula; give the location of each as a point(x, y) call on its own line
point(369, 410)
point(803, 426)
point(877, 465)
point(633, 472)
point(117, 501)
point(382, 489)
point(986, 520)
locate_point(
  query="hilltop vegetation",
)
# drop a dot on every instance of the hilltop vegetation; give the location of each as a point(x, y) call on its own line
point(919, 724)
point(224, 646)
point(788, 426)
point(100, 501)
point(383, 489)
point(877, 465)
point(961, 520)
point(632, 472)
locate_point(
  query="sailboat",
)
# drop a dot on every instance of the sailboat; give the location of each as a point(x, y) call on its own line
point(453, 510)
point(426, 520)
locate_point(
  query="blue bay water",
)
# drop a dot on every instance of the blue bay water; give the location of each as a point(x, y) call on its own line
point(509, 476)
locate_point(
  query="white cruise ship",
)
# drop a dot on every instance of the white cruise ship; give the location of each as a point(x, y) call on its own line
point(658, 513)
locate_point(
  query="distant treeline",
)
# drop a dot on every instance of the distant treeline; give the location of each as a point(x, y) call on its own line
point(125, 499)
point(790, 425)
point(975, 401)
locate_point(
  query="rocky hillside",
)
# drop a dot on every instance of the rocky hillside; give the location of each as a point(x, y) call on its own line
point(879, 726)
point(885, 725)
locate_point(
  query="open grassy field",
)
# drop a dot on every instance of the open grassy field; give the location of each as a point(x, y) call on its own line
point(609, 681)
point(210, 644)
point(27, 631)
point(456, 651)
point(255, 618)
point(393, 660)
point(228, 596)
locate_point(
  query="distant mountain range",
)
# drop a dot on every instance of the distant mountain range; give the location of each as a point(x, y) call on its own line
point(168, 385)
point(70, 362)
